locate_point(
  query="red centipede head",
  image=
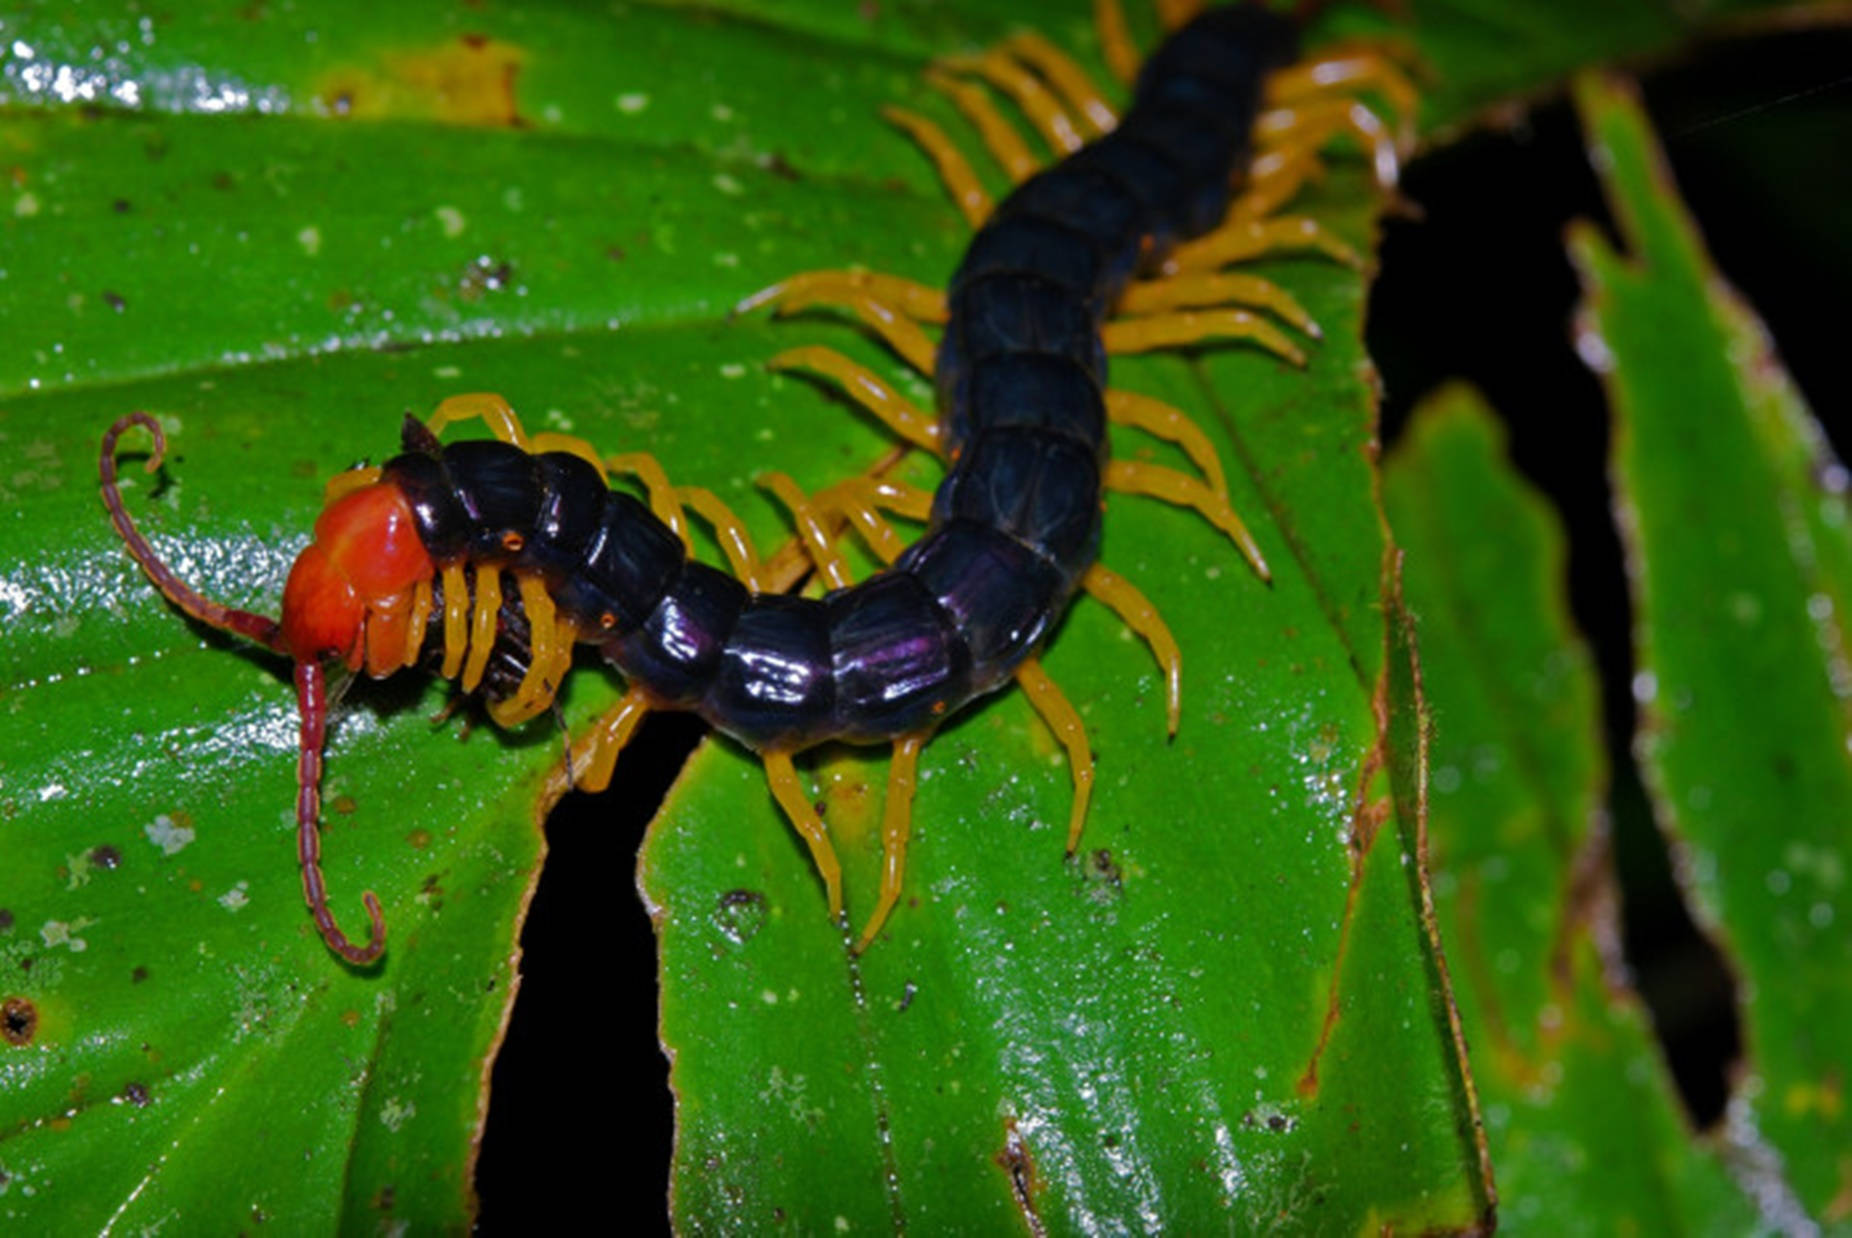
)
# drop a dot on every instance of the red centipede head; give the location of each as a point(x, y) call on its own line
point(366, 554)
point(346, 593)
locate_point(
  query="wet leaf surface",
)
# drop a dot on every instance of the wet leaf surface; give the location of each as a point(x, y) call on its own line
point(1582, 1121)
point(278, 232)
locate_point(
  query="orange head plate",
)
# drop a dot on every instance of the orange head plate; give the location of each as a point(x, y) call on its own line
point(350, 594)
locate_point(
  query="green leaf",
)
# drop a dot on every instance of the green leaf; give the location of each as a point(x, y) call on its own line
point(280, 230)
point(1479, 57)
point(1582, 1120)
point(1733, 512)
point(1216, 1010)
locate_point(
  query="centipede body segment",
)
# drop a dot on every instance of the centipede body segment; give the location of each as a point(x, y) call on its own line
point(491, 561)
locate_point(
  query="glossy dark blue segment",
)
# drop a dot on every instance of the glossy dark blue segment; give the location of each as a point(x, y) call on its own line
point(572, 499)
point(443, 526)
point(1002, 315)
point(679, 647)
point(1233, 47)
point(1029, 244)
point(1029, 391)
point(1147, 172)
point(1092, 201)
point(898, 663)
point(774, 686)
point(629, 562)
point(496, 484)
point(1001, 596)
point(1042, 490)
point(1201, 149)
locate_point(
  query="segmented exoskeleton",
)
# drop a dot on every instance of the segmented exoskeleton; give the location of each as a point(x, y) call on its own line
point(411, 561)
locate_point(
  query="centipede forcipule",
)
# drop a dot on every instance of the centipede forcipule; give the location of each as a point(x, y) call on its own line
point(411, 560)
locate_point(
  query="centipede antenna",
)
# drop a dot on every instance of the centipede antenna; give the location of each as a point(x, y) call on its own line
point(260, 628)
point(312, 700)
point(416, 437)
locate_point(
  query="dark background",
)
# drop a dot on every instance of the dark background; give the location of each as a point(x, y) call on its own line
point(1759, 133)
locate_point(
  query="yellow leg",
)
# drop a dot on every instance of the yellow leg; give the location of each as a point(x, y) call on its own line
point(1350, 68)
point(1061, 718)
point(1275, 178)
point(551, 441)
point(346, 482)
point(789, 793)
point(420, 622)
point(917, 301)
point(482, 626)
point(735, 542)
point(954, 169)
point(896, 824)
point(900, 332)
point(1116, 44)
point(1158, 482)
point(494, 411)
point(384, 632)
point(867, 389)
point(1138, 614)
point(1068, 78)
point(1242, 238)
point(1004, 143)
point(595, 756)
point(1212, 288)
point(1160, 420)
point(565, 640)
point(1183, 327)
point(542, 680)
point(1174, 13)
point(830, 564)
point(662, 501)
point(456, 620)
point(1311, 124)
point(860, 500)
point(497, 414)
point(1028, 93)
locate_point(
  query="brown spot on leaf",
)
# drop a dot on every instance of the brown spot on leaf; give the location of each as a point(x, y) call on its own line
point(469, 80)
point(343, 804)
point(1105, 879)
point(419, 838)
point(105, 857)
point(138, 975)
point(739, 915)
point(1024, 1185)
point(19, 1021)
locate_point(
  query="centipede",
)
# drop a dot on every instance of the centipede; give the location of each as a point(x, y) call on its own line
point(491, 561)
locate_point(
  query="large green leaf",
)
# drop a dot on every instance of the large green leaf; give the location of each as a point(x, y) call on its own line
point(1733, 512)
point(1582, 1121)
point(278, 231)
point(1216, 1011)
